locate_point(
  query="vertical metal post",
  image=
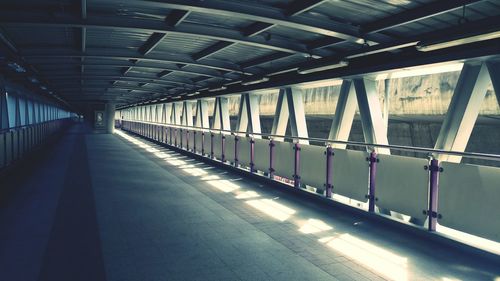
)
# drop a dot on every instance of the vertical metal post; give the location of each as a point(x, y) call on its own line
point(296, 167)
point(223, 144)
point(252, 155)
point(373, 172)
point(236, 151)
point(202, 143)
point(194, 141)
point(271, 159)
point(211, 145)
point(329, 163)
point(434, 170)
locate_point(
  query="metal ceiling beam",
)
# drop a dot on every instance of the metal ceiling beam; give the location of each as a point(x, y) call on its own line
point(106, 83)
point(83, 34)
point(151, 43)
point(105, 89)
point(143, 77)
point(52, 65)
point(295, 8)
point(416, 14)
point(55, 76)
point(163, 73)
point(13, 18)
point(176, 17)
point(173, 19)
point(301, 6)
point(256, 28)
point(217, 47)
point(255, 12)
point(53, 53)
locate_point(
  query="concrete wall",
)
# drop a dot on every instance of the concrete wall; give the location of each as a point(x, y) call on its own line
point(419, 95)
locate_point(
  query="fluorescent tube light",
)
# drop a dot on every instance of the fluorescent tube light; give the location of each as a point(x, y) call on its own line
point(193, 94)
point(431, 46)
point(322, 67)
point(217, 89)
point(16, 67)
point(255, 81)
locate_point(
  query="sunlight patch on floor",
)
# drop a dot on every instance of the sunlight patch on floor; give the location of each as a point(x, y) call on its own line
point(272, 208)
point(386, 263)
point(314, 226)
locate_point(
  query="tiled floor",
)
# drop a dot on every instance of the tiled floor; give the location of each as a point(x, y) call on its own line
point(163, 216)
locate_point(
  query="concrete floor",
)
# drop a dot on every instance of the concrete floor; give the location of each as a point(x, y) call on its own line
point(142, 212)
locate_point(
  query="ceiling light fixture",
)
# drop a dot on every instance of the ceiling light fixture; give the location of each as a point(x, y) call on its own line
point(218, 89)
point(255, 81)
point(16, 67)
point(323, 66)
point(456, 41)
point(193, 94)
point(33, 79)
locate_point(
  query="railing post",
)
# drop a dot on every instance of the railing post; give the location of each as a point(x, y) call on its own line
point(434, 170)
point(328, 181)
point(211, 145)
point(236, 152)
point(175, 137)
point(296, 167)
point(252, 155)
point(194, 141)
point(223, 144)
point(202, 143)
point(373, 172)
point(271, 159)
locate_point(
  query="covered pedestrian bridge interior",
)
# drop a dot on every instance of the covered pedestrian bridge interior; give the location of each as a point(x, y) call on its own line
point(250, 140)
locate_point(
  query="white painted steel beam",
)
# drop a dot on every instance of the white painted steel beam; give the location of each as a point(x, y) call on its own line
point(187, 114)
point(202, 114)
point(168, 113)
point(221, 114)
point(344, 114)
point(249, 114)
point(494, 70)
point(374, 128)
point(463, 110)
point(280, 116)
point(253, 110)
point(297, 114)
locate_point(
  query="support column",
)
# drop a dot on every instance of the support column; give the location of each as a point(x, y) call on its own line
point(249, 114)
point(344, 114)
point(298, 124)
point(280, 116)
point(253, 111)
point(494, 70)
point(374, 129)
point(4, 114)
point(176, 113)
point(110, 117)
point(242, 123)
point(168, 113)
point(187, 114)
point(221, 114)
point(202, 114)
point(463, 111)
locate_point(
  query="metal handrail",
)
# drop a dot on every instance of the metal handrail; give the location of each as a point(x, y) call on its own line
point(28, 125)
point(475, 155)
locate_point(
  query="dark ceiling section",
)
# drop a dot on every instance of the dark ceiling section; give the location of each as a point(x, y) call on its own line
point(136, 51)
